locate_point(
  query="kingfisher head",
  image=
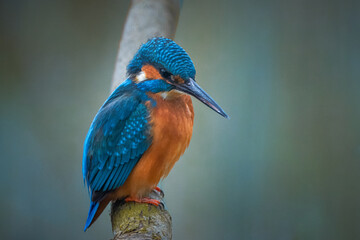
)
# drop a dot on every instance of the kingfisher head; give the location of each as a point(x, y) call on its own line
point(160, 65)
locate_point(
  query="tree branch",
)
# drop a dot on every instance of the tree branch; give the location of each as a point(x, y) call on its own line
point(146, 19)
point(140, 221)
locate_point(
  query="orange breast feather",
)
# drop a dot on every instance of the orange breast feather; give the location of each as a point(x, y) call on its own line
point(172, 123)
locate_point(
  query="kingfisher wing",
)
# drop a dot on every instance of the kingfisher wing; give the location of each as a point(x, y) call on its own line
point(117, 138)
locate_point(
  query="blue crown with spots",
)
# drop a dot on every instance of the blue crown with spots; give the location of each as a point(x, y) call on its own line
point(163, 52)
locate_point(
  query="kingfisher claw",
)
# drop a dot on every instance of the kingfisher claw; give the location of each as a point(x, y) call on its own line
point(144, 200)
point(161, 192)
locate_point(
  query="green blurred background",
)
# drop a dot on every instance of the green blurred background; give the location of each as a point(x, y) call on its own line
point(285, 166)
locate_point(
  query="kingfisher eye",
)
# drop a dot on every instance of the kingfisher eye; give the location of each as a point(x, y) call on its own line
point(165, 74)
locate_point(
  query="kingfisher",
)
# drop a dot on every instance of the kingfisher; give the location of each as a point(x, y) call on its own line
point(143, 128)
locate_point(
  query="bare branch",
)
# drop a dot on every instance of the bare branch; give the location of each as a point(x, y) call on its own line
point(140, 221)
point(146, 19)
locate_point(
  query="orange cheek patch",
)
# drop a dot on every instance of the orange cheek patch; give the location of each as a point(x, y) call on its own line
point(151, 72)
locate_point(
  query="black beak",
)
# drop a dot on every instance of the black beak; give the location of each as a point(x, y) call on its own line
point(192, 88)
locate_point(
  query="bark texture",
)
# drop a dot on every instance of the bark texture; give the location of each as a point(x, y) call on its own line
point(140, 221)
point(146, 19)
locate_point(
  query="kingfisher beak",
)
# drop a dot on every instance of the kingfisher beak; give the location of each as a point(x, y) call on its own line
point(192, 88)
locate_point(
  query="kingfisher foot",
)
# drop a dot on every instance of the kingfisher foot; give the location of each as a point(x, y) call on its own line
point(144, 200)
point(159, 191)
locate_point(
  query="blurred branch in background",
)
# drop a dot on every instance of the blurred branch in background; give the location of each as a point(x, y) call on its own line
point(146, 19)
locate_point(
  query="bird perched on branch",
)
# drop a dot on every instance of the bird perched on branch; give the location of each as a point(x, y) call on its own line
point(143, 127)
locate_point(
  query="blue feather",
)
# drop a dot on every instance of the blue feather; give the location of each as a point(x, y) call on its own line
point(116, 139)
point(126, 172)
point(100, 179)
point(164, 52)
point(111, 179)
point(115, 181)
point(92, 210)
point(118, 160)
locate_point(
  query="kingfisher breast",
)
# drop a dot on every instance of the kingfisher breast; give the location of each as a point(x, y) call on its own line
point(172, 123)
point(171, 120)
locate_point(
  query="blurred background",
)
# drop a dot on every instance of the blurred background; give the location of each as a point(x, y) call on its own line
point(285, 166)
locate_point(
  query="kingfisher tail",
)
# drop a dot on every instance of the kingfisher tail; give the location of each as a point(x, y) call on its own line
point(96, 208)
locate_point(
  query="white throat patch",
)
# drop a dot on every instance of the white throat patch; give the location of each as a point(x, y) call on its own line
point(167, 95)
point(164, 95)
point(141, 77)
